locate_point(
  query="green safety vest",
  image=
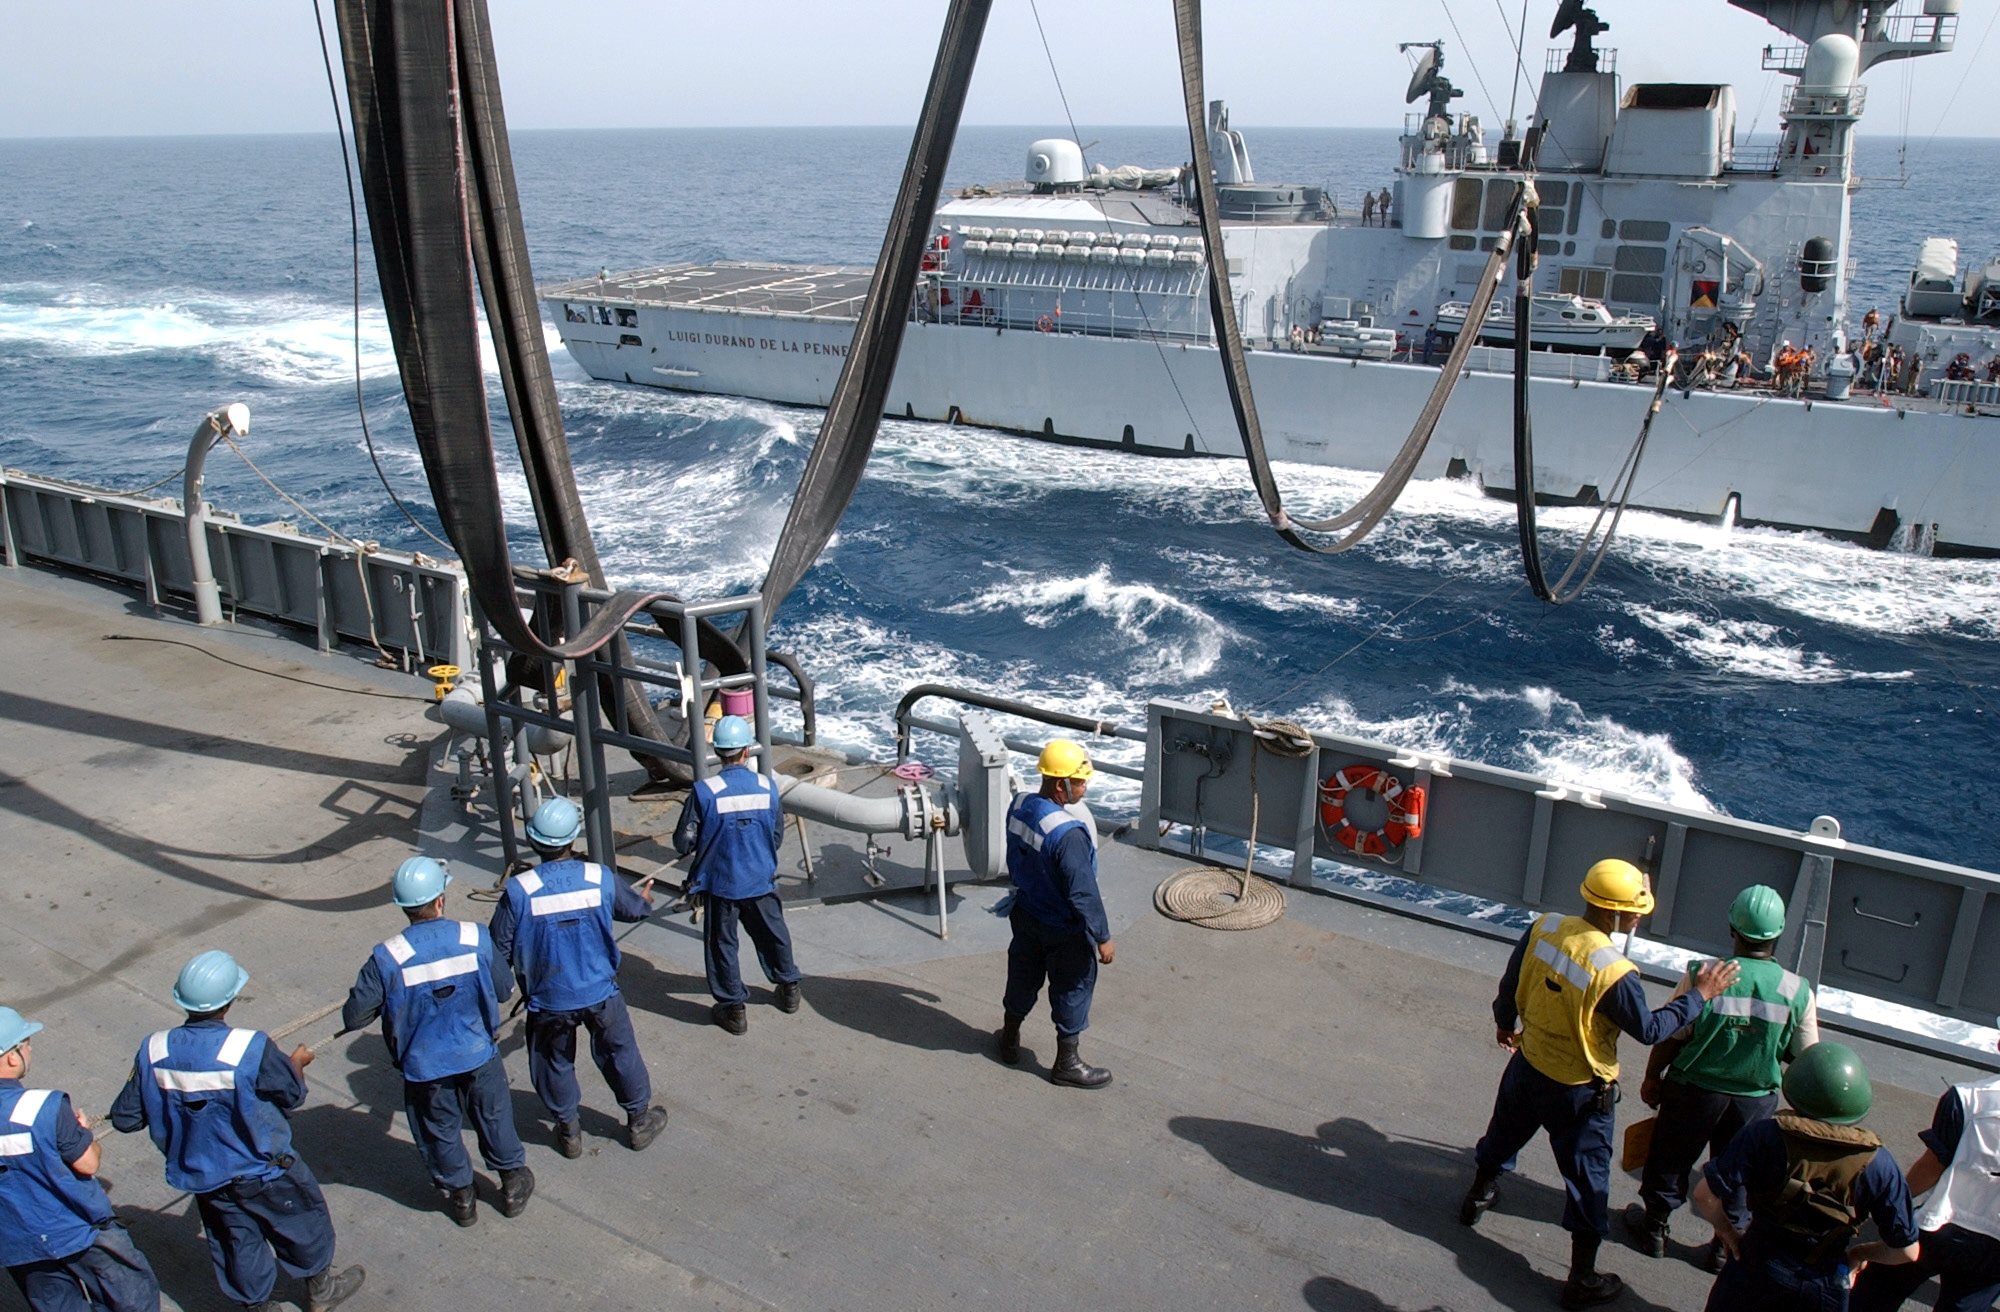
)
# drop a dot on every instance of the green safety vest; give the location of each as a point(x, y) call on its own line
point(1740, 1036)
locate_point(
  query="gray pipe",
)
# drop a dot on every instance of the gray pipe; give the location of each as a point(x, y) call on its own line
point(207, 596)
point(862, 815)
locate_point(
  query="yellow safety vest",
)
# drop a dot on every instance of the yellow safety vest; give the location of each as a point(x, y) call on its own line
point(1567, 969)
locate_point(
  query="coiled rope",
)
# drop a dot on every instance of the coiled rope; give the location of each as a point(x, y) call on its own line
point(1225, 899)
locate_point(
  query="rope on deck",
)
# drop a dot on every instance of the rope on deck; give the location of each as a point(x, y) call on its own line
point(1226, 899)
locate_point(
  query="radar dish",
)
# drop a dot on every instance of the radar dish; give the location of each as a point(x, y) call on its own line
point(1566, 16)
point(1421, 79)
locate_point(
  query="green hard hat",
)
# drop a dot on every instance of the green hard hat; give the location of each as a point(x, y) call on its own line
point(1829, 1083)
point(1758, 913)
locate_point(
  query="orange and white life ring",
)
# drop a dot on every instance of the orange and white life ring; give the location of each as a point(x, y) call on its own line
point(1046, 324)
point(1406, 810)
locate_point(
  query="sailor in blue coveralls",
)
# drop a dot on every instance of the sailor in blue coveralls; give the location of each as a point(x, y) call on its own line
point(438, 987)
point(58, 1237)
point(216, 1099)
point(553, 927)
point(1061, 934)
point(734, 824)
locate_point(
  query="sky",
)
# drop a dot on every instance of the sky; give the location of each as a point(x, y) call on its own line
point(140, 67)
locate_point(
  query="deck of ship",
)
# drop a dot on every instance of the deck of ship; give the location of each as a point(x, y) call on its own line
point(829, 290)
point(1290, 1125)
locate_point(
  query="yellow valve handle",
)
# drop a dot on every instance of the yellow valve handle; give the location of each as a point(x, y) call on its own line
point(444, 674)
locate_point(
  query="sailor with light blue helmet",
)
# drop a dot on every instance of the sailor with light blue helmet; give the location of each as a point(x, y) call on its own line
point(58, 1236)
point(553, 927)
point(216, 1100)
point(734, 824)
point(438, 986)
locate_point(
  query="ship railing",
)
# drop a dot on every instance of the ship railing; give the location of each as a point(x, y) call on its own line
point(406, 605)
point(1918, 33)
point(1787, 59)
point(1818, 104)
point(1903, 929)
point(1558, 60)
point(1752, 159)
point(907, 720)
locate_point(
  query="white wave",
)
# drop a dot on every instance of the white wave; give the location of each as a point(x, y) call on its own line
point(1750, 648)
point(284, 340)
point(1173, 640)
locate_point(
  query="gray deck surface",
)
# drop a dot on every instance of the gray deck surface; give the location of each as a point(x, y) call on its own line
point(832, 290)
point(1290, 1126)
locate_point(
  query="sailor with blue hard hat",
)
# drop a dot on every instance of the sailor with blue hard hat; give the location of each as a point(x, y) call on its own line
point(216, 1100)
point(438, 986)
point(1566, 995)
point(734, 824)
point(58, 1236)
point(1061, 934)
point(553, 927)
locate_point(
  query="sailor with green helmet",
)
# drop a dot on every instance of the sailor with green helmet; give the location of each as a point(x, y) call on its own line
point(1813, 1176)
point(1722, 1073)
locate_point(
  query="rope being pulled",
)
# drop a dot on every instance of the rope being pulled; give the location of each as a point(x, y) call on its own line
point(1225, 899)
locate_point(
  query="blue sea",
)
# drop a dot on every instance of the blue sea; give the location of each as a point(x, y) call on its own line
point(1771, 676)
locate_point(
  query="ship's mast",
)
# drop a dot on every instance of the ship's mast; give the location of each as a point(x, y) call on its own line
point(1883, 29)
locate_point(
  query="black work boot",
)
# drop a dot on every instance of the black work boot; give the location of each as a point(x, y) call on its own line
point(1587, 1286)
point(730, 1016)
point(788, 997)
point(328, 1290)
point(516, 1187)
point(1010, 1040)
point(569, 1139)
point(1070, 1068)
point(1485, 1191)
point(1712, 1257)
point(463, 1204)
point(1649, 1232)
point(645, 1127)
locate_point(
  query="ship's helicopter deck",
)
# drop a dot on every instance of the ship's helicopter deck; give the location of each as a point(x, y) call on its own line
point(1290, 1126)
point(833, 291)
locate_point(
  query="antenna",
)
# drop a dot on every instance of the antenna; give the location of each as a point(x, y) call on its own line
point(1426, 70)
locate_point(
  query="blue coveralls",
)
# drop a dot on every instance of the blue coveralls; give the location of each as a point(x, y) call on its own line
point(734, 824)
point(1058, 916)
point(553, 926)
point(215, 1100)
point(1773, 1274)
point(1965, 1262)
point(58, 1236)
point(438, 987)
point(1579, 1135)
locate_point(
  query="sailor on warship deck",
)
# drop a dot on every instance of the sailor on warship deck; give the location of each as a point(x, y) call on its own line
point(228, 1141)
point(59, 1238)
point(553, 926)
point(1061, 933)
point(734, 824)
point(1813, 1177)
point(1571, 992)
point(1722, 1073)
point(438, 987)
point(1959, 1227)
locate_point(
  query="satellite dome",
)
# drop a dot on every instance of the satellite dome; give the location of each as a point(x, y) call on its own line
point(1055, 162)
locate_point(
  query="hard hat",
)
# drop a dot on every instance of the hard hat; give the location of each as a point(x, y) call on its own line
point(1758, 914)
point(15, 1030)
point(1829, 1083)
point(557, 822)
point(1064, 759)
point(1618, 885)
point(419, 882)
point(210, 982)
point(732, 732)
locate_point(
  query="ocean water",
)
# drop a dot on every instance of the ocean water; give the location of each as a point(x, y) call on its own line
point(1765, 675)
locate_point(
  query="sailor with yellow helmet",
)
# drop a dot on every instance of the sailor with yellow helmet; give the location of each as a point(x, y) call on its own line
point(1566, 994)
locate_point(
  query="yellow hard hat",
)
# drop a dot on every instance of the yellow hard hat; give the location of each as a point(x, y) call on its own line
point(1064, 759)
point(1618, 885)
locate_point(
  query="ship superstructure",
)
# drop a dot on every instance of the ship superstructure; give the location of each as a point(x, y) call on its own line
point(1073, 304)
